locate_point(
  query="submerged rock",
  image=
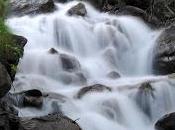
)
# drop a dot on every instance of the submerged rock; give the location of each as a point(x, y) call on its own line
point(49, 122)
point(22, 7)
point(164, 59)
point(77, 78)
point(78, 9)
point(113, 75)
point(167, 122)
point(144, 96)
point(93, 88)
point(5, 82)
point(69, 63)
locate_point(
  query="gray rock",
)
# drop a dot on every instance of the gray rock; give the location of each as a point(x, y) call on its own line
point(9, 56)
point(69, 63)
point(164, 59)
point(166, 122)
point(93, 88)
point(5, 81)
point(144, 94)
point(113, 75)
point(53, 51)
point(33, 98)
point(164, 10)
point(8, 117)
point(29, 98)
point(49, 122)
point(78, 9)
point(140, 13)
point(22, 7)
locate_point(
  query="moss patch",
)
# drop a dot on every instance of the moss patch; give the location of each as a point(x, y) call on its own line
point(10, 51)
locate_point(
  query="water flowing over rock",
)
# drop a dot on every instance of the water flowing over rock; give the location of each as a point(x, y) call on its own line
point(113, 75)
point(73, 64)
point(164, 61)
point(69, 63)
point(53, 51)
point(93, 88)
point(144, 96)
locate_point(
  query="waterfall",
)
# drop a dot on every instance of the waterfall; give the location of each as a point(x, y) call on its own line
point(65, 53)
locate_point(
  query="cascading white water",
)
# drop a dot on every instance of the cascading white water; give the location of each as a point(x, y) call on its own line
point(97, 45)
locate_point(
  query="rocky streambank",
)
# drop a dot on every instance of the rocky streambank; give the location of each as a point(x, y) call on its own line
point(9, 117)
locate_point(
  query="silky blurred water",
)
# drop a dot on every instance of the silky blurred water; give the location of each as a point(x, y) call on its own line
point(98, 43)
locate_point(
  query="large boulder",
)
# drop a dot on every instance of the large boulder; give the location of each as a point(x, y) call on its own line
point(9, 120)
point(5, 82)
point(164, 59)
point(142, 4)
point(93, 88)
point(10, 55)
point(22, 7)
point(49, 122)
point(107, 5)
point(167, 122)
point(79, 10)
point(8, 117)
point(164, 10)
point(140, 13)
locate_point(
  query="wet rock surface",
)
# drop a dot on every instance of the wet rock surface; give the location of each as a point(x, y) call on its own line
point(158, 12)
point(113, 75)
point(93, 88)
point(79, 10)
point(144, 96)
point(164, 60)
point(5, 81)
point(23, 7)
point(69, 63)
point(166, 122)
point(49, 122)
point(10, 55)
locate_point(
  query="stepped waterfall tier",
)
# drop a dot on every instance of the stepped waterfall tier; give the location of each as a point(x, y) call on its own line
point(94, 67)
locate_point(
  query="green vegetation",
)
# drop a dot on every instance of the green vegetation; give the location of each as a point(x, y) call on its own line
point(3, 8)
point(9, 50)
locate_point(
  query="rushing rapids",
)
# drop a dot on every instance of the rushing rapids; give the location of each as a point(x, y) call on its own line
point(65, 53)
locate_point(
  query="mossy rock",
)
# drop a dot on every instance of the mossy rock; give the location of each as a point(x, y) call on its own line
point(11, 49)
